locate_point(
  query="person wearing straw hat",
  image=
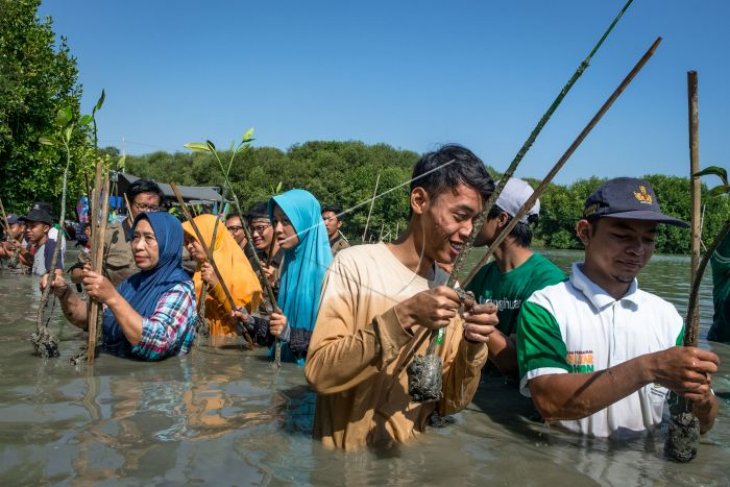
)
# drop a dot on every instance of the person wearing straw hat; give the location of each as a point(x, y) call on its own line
point(516, 272)
point(597, 354)
point(378, 300)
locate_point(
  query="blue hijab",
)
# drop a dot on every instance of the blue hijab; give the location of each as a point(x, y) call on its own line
point(306, 264)
point(144, 289)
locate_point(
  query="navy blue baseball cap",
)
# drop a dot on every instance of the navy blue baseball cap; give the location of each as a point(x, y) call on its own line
point(13, 219)
point(628, 198)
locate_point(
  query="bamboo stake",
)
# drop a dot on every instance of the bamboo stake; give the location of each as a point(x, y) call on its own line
point(479, 221)
point(372, 203)
point(695, 194)
point(208, 254)
point(555, 169)
point(97, 262)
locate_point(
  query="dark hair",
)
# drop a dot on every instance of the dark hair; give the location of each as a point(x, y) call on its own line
point(258, 210)
point(143, 186)
point(232, 214)
point(466, 168)
point(522, 232)
point(334, 208)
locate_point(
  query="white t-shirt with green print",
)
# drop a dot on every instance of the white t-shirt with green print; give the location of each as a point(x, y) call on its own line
point(577, 327)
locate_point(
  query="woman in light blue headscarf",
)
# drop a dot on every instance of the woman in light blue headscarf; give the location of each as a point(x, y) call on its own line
point(300, 230)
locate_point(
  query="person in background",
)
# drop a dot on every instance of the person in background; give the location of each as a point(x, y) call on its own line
point(720, 263)
point(150, 315)
point(38, 223)
point(235, 226)
point(598, 355)
point(118, 264)
point(514, 274)
point(333, 222)
point(14, 242)
point(301, 234)
point(262, 233)
point(238, 276)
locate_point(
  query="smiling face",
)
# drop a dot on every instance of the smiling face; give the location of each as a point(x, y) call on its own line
point(144, 246)
point(262, 233)
point(445, 221)
point(616, 250)
point(285, 233)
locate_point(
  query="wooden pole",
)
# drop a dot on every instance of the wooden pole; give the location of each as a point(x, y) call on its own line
point(97, 262)
point(208, 254)
point(372, 203)
point(695, 193)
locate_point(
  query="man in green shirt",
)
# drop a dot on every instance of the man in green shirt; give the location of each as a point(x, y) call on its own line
point(515, 273)
point(720, 262)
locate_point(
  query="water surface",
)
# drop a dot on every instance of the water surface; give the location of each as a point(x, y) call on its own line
point(225, 417)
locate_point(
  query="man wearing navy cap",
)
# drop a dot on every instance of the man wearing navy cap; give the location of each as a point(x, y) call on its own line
point(598, 355)
point(38, 223)
point(14, 240)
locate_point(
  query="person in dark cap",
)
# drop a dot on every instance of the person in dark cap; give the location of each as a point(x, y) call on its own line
point(14, 241)
point(598, 355)
point(38, 223)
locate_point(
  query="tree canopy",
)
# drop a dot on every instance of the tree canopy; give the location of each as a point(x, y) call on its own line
point(345, 173)
point(37, 78)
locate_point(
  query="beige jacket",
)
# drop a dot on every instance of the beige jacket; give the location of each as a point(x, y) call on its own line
point(358, 344)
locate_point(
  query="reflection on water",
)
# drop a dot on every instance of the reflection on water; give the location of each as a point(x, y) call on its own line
point(227, 417)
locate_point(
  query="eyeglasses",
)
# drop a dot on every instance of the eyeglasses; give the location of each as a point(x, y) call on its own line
point(146, 208)
point(259, 228)
point(235, 228)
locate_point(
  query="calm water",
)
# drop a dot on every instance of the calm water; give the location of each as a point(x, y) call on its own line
point(225, 417)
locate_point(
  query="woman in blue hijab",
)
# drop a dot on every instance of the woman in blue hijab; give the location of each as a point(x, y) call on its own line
point(151, 315)
point(300, 230)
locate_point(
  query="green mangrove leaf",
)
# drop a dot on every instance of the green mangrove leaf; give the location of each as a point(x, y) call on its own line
point(46, 141)
point(720, 190)
point(197, 147)
point(63, 116)
point(100, 101)
point(718, 171)
point(247, 135)
point(68, 132)
point(211, 145)
point(86, 119)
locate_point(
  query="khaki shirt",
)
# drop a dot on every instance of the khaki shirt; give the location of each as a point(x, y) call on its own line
point(118, 259)
point(339, 243)
point(358, 344)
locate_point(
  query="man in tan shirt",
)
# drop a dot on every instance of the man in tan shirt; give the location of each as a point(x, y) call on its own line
point(379, 299)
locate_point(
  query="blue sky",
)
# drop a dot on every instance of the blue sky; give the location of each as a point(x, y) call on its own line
point(412, 74)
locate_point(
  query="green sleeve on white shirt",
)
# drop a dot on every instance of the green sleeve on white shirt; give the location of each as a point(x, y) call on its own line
point(539, 341)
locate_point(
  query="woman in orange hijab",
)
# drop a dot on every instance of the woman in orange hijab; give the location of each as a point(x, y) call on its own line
point(235, 269)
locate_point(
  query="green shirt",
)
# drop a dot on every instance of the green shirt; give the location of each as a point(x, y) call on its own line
point(508, 290)
point(720, 262)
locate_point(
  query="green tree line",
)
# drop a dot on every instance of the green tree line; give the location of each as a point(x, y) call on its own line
point(345, 173)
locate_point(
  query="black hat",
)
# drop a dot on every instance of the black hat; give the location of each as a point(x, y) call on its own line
point(13, 219)
point(259, 211)
point(628, 198)
point(38, 213)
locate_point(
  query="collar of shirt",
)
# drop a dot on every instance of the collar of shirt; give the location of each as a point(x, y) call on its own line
point(595, 293)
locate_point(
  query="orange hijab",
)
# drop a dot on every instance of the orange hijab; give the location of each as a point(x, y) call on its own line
point(236, 271)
